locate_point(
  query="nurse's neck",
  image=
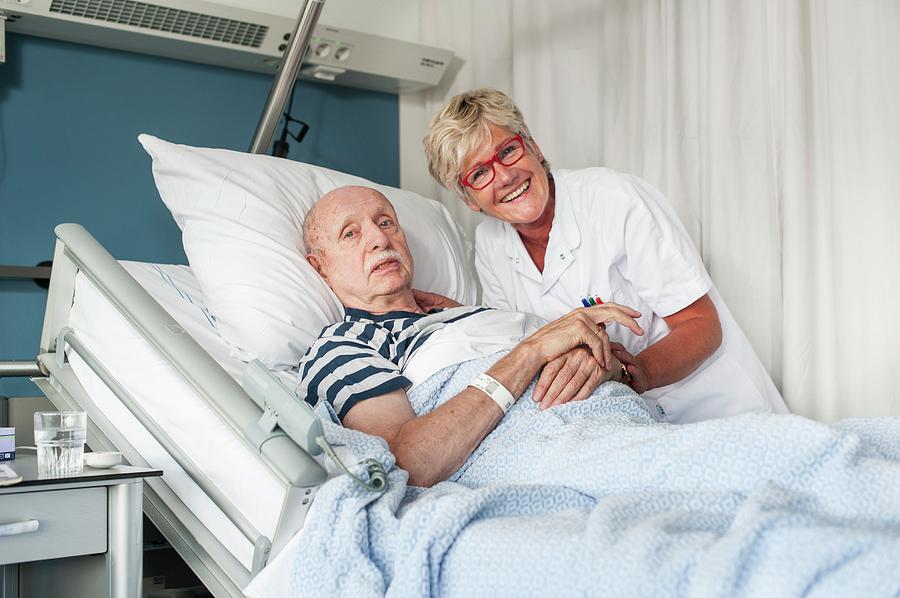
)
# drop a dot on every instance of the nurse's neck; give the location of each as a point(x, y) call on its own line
point(535, 235)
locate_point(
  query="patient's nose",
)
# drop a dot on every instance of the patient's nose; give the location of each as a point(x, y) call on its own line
point(376, 238)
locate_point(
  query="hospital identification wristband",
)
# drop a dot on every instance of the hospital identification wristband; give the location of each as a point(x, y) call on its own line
point(495, 390)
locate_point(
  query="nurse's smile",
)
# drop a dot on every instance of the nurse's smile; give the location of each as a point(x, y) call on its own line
point(517, 193)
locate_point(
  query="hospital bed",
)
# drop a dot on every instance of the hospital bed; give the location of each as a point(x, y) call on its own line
point(235, 488)
point(136, 346)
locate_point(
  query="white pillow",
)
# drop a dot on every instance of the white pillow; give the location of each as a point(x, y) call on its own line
point(241, 218)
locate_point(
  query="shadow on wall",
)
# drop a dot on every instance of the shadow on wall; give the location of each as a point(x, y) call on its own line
point(14, 292)
point(10, 78)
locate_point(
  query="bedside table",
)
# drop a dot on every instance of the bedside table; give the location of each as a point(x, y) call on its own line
point(97, 511)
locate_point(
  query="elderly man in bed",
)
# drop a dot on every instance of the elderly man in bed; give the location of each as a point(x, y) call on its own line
point(364, 365)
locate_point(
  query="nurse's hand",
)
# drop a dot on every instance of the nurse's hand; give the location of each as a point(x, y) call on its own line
point(428, 301)
point(640, 380)
point(572, 376)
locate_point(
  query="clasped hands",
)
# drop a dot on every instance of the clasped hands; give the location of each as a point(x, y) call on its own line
point(586, 356)
point(577, 351)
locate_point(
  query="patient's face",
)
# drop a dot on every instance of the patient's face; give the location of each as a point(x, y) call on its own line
point(364, 254)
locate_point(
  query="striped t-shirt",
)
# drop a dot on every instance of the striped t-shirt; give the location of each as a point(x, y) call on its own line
point(364, 356)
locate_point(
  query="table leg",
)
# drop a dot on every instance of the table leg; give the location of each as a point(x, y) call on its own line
point(124, 554)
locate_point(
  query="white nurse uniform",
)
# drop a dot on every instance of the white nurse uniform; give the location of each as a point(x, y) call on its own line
point(616, 237)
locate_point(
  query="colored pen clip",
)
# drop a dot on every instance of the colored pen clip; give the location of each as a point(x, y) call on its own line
point(589, 301)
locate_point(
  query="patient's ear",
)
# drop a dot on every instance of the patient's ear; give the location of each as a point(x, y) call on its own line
point(316, 263)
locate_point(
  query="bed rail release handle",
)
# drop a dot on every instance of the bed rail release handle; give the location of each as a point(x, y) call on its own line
point(263, 429)
point(292, 414)
point(268, 420)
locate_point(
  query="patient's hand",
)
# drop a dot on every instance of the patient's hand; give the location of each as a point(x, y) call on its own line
point(428, 301)
point(572, 376)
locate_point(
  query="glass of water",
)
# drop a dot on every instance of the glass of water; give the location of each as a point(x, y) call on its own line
point(60, 437)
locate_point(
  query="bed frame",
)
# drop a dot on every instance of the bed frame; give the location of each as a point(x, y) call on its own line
point(282, 438)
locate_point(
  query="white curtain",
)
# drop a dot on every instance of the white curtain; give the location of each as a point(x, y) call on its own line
point(772, 125)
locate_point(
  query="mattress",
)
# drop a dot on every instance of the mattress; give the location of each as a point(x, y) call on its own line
point(225, 458)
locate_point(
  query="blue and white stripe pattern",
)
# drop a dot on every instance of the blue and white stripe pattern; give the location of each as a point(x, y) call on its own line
point(185, 295)
point(364, 356)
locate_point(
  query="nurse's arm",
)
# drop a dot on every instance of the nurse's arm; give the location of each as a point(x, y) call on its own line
point(694, 334)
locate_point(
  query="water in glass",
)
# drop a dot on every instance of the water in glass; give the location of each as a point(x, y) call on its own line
point(60, 439)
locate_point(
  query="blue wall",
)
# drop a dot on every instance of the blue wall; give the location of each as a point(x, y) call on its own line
point(69, 119)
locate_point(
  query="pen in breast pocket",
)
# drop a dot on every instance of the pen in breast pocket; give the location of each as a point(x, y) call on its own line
point(589, 301)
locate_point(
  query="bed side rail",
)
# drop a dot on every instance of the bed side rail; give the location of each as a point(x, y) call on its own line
point(261, 543)
point(164, 333)
point(78, 250)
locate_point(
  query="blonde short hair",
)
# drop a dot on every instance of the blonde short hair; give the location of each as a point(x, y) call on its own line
point(462, 125)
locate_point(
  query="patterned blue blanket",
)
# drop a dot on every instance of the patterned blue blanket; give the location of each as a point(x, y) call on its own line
point(595, 498)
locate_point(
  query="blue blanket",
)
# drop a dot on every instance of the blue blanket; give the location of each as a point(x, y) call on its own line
point(595, 498)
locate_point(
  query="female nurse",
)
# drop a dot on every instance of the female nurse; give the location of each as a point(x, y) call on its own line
point(555, 240)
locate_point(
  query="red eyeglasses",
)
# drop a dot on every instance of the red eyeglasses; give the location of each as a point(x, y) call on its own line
point(482, 175)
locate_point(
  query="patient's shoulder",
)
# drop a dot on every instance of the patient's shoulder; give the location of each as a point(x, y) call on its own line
point(366, 332)
point(366, 336)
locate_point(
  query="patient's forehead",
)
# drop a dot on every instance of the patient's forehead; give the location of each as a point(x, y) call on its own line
point(351, 204)
point(334, 208)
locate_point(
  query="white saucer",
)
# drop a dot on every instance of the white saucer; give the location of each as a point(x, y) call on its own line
point(102, 460)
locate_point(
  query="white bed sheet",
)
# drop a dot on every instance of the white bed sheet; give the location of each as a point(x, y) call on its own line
point(213, 447)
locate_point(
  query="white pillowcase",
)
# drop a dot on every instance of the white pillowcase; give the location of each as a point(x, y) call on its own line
point(241, 217)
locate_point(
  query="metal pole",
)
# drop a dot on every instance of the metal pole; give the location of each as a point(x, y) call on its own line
point(2, 41)
point(20, 369)
point(124, 554)
point(286, 76)
point(39, 272)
